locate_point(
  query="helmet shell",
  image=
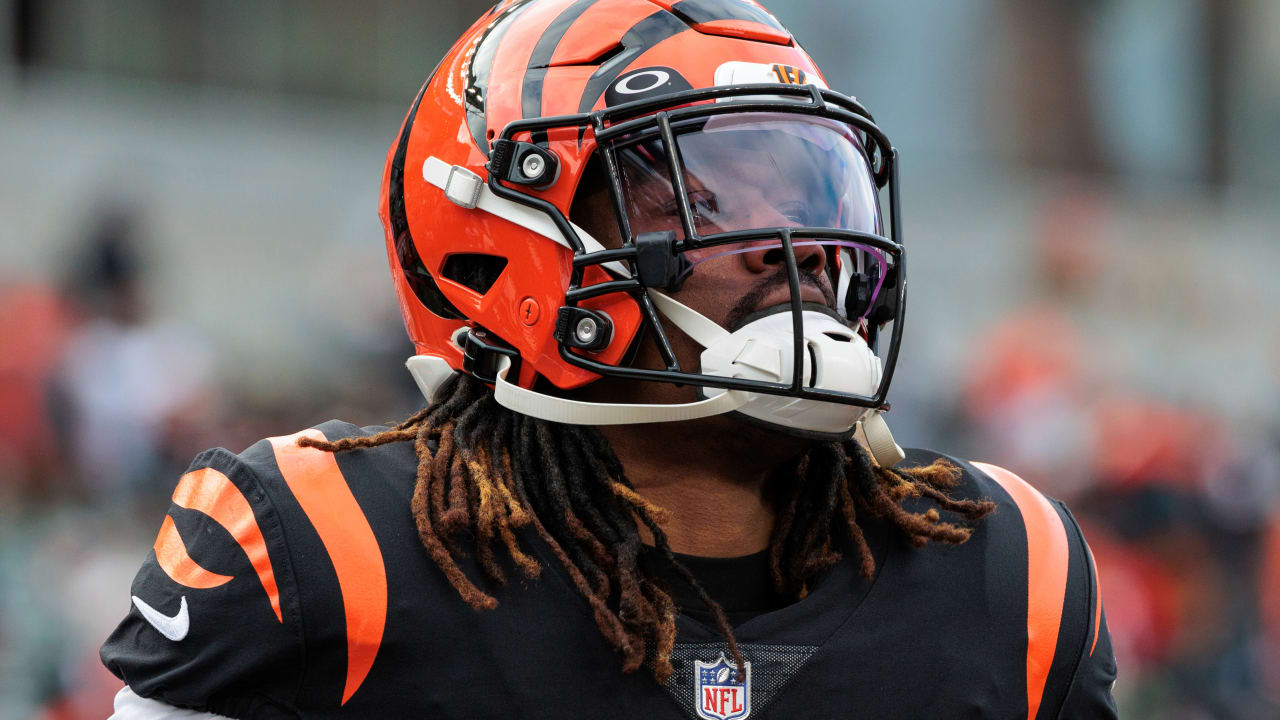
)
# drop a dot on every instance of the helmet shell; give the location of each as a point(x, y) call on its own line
point(527, 59)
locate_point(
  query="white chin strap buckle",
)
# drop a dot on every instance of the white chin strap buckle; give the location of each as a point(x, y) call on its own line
point(880, 441)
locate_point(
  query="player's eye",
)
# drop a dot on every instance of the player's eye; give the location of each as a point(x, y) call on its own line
point(704, 205)
point(797, 212)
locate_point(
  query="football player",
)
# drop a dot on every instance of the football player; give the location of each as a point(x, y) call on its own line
point(654, 273)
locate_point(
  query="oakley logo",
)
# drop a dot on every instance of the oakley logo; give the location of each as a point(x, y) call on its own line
point(641, 82)
point(175, 628)
point(645, 83)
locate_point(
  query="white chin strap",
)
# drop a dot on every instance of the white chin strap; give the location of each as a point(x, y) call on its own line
point(836, 359)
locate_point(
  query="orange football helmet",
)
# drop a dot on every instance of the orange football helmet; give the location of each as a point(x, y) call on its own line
point(495, 280)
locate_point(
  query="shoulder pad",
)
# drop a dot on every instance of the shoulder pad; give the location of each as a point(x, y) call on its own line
point(322, 491)
point(1064, 606)
point(213, 614)
point(249, 541)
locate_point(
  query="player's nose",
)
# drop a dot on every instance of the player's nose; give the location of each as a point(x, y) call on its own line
point(769, 255)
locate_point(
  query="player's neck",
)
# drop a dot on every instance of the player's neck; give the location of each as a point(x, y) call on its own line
point(710, 480)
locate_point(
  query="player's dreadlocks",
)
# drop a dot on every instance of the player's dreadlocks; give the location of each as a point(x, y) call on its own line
point(484, 471)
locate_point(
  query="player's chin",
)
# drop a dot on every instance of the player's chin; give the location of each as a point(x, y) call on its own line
point(772, 443)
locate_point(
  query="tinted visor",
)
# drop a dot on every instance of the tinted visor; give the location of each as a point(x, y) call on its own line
point(752, 170)
point(756, 171)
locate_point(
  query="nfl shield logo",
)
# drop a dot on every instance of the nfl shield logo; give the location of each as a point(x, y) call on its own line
point(720, 694)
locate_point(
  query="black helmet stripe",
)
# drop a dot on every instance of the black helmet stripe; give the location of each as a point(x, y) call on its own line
point(642, 36)
point(531, 90)
point(417, 276)
point(478, 68)
point(701, 11)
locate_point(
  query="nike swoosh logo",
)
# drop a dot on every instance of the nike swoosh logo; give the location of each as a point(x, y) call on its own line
point(175, 628)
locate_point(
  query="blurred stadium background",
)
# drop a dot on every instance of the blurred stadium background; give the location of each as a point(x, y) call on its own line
point(191, 258)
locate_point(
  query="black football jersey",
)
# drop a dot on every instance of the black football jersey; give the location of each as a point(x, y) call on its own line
point(290, 582)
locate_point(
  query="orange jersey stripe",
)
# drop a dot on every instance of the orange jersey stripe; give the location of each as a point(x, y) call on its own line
point(213, 494)
point(172, 555)
point(1047, 557)
point(316, 481)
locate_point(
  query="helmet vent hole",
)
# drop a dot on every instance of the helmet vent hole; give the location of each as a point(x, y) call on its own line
point(813, 365)
point(838, 337)
point(606, 56)
point(474, 270)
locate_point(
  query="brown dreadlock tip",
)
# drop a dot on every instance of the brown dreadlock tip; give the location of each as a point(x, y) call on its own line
point(656, 512)
point(932, 515)
point(634, 659)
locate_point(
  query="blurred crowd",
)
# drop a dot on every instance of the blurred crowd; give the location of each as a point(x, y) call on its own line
point(1180, 502)
point(1090, 215)
point(102, 407)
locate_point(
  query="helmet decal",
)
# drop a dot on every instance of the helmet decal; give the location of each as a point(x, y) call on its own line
point(736, 72)
point(645, 83)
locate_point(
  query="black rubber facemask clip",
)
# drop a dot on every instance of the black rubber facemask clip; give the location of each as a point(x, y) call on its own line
point(658, 264)
point(524, 163)
point(481, 353)
point(859, 303)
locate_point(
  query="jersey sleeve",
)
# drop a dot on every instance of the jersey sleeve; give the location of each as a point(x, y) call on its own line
point(212, 621)
point(1084, 642)
point(1095, 677)
point(1089, 693)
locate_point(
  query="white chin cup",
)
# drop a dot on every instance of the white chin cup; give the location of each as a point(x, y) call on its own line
point(835, 358)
